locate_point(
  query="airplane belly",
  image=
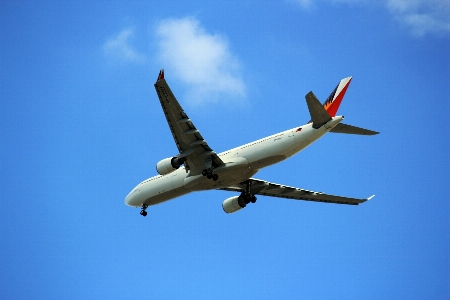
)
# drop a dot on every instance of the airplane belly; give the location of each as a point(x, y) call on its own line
point(227, 176)
point(165, 196)
point(266, 161)
point(235, 170)
point(306, 137)
point(164, 188)
point(270, 152)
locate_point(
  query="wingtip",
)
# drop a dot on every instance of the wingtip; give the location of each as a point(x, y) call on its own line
point(370, 197)
point(161, 75)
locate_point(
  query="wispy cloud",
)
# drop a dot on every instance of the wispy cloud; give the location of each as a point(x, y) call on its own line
point(420, 17)
point(302, 3)
point(307, 4)
point(200, 59)
point(119, 47)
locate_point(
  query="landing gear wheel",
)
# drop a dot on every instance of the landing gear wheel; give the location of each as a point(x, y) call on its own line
point(205, 172)
point(215, 177)
point(241, 201)
point(209, 176)
point(143, 212)
point(253, 199)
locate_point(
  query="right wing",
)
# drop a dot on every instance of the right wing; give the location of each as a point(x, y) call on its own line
point(261, 187)
point(188, 139)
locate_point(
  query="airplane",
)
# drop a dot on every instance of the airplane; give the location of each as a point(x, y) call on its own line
point(197, 167)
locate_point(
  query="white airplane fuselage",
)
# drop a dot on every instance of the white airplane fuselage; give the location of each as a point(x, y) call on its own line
point(241, 163)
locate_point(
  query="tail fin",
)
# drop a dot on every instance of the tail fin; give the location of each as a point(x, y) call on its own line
point(333, 101)
point(319, 115)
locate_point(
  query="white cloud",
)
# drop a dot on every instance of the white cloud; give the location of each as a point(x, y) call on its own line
point(421, 17)
point(119, 47)
point(200, 59)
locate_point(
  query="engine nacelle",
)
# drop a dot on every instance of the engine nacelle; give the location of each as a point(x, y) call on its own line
point(168, 165)
point(231, 205)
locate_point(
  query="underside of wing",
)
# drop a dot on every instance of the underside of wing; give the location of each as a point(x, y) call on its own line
point(265, 188)
point(190, 143)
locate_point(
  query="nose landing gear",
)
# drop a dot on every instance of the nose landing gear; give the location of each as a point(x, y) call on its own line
point(143, 212)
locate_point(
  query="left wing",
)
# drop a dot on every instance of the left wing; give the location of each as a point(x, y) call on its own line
point(194, 150)
point(261, 187)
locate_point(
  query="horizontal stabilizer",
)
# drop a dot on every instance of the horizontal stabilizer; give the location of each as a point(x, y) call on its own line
point(349, 129)
point(319, 115)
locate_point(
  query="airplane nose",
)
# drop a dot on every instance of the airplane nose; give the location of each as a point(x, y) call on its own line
point(129, 199)
point(133, 199)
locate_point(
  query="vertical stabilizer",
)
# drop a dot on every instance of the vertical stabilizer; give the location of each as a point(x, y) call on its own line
point(333, 101)
point(319, 115)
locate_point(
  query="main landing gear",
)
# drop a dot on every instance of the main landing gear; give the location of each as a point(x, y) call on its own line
point(209, 174)
point(143, 212)
point(246, 196)
point(243, 199)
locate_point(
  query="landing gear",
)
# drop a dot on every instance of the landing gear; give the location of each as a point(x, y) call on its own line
point(246, 196)
point(209, 174)
point(243, 199)
point(143, 212)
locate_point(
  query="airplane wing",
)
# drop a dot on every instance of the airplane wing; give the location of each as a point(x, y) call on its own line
point(188, 139)
point(261, 187)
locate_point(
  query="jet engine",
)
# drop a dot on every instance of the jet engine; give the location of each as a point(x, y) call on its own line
point(168, 165)
point(231, 205)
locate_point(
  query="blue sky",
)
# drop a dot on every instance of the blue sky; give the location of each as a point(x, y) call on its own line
point(81, 125)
